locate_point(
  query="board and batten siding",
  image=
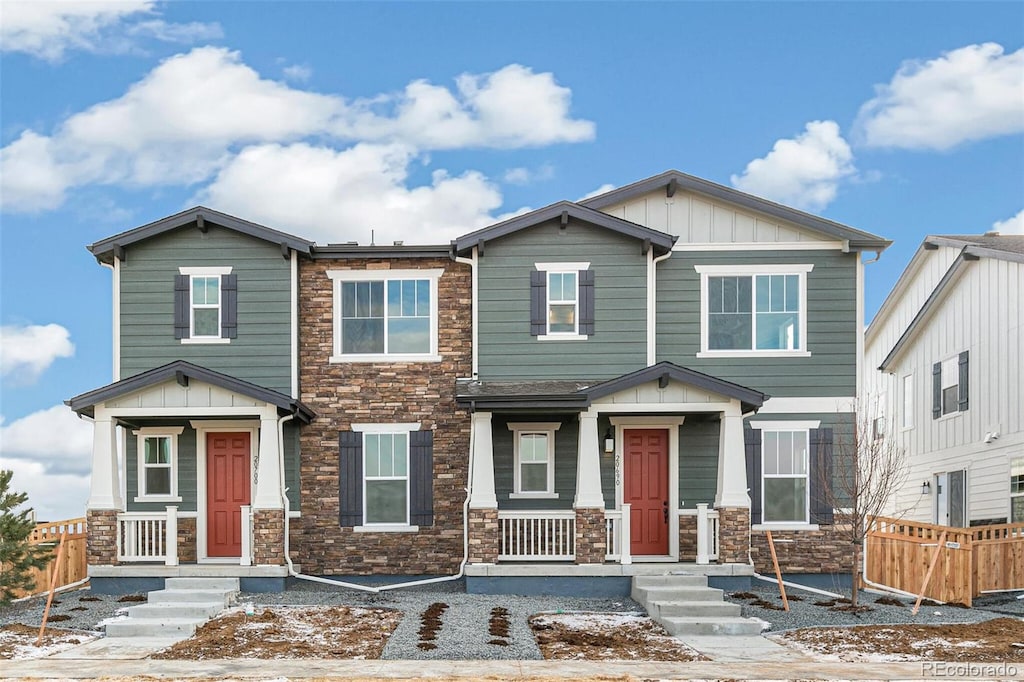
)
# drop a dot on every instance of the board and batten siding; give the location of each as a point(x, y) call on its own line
point(187, 473)
point(619, 344)
point(261, 353)
point(982, 314)
point(831, 370)
point(701, 220)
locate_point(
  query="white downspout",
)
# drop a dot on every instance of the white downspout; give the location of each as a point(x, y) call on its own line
point(471, 262)
point(652, 300)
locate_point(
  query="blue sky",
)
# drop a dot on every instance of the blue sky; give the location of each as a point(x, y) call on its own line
point(426, 120)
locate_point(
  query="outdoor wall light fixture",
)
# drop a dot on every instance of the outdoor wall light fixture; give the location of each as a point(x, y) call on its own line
point(609, 441)
point(926, 488)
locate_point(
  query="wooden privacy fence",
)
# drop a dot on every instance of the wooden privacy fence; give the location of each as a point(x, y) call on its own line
point(967, 561)
point(72, 566)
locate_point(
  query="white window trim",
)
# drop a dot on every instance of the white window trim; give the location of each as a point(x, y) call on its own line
point(561, 268)
point(337, 277)
point(377, 429)
point(205, 271)
point(787, 426)
point(1012, 457)
point(907, 415)
point(547, 428)
point(706, 271)
point(782, 525)
point(942, 385)
point(142, 434)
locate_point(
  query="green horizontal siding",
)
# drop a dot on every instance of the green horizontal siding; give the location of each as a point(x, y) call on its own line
point(565, 462)
point(262, 352)
point(831, 323)
point(698, 461)
point(506, 348)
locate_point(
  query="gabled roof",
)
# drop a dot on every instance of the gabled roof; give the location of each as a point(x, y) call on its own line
point(660, 241)
point(578, 395)
point(182, 372)
point(972, 248)
point(106, 249)
point(672, 180)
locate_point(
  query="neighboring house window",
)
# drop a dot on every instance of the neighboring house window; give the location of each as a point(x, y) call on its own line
point(205, 305)
point(789, 472)
point(753, 309)
point(158, 464)
point(385, 315)
point(386, 477)
point(878, 424)
point(950, 385)
point(785, 469)
point(534, 459)
point(562, 301)
point(908, 401)
point(1017, 490)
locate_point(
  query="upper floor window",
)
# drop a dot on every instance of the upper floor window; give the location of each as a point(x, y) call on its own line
point(949, 385)
point(562, 301)
point(759, 309)
point(385, 315)
point(534, 454)
point(205, 305)
point(158, 464)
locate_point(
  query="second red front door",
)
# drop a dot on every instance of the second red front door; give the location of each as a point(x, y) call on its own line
point(646, 489)
point(227, 489)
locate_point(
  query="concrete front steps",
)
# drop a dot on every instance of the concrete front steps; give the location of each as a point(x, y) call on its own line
point(178, 609)
point(685, 605)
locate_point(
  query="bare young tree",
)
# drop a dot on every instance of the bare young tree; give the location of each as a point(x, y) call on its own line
point(869, 469)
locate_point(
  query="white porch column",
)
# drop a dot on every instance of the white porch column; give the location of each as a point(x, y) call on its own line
point(732, 465)
point(588, 465)
point(482, 485)
point(105, 488)
point(268, 472)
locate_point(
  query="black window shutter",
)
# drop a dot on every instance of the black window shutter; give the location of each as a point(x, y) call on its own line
point(421, 478)
point(350, 478)
point(962, 394)
point(181, 306)
point(752, 440)
point(936, 390)
point(821, 476)
point(586, 302)
point(229, 306)
point(538, 302)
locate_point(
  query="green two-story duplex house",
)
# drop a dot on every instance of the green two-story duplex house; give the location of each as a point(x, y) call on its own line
point(662, 373)
point(196, 439)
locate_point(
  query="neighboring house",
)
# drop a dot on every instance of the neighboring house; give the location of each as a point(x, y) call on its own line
point(656, 375)
point(944, 374)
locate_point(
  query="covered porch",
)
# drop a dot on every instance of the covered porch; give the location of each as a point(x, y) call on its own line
point(648, 468)
point(193, 473)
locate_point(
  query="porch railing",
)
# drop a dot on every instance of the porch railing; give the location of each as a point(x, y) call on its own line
point(707, 532)
point(536, 535)
point(148, 536)
point(617, 536)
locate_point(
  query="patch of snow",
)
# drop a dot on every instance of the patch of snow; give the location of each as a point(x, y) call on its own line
point(24, 647)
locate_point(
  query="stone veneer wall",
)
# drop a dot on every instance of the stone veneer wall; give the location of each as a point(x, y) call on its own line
point(805, 551)
point(483, 536)
point(101, 542)
point(268, 537)
point(687, 538)
point(187, 541)
point(733, 535)
point(591, 538)
point(381, 392)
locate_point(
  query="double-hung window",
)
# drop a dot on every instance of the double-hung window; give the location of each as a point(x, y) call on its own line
point(754, 310)
point(158, 464)
point(206, 305)
point(385, 315)
point(950, 385)
point(785, 474)
point(534, 454)
point(386, 478)
point(1017, 490)
point(562, 301)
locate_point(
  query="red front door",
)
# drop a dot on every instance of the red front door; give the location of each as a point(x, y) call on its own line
point(646, 489)
point(227, 489)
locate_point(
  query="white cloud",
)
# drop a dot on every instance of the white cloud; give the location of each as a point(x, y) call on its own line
point(193, 116)
point(525, 176)
point(54, 497)
point(804, 171)
point(48, 28)
point(1013, 225)
point(55, 438)
point(971, 93)
point(335, 196)
point(27, 351)
point(297, 72)
point(603, 189)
